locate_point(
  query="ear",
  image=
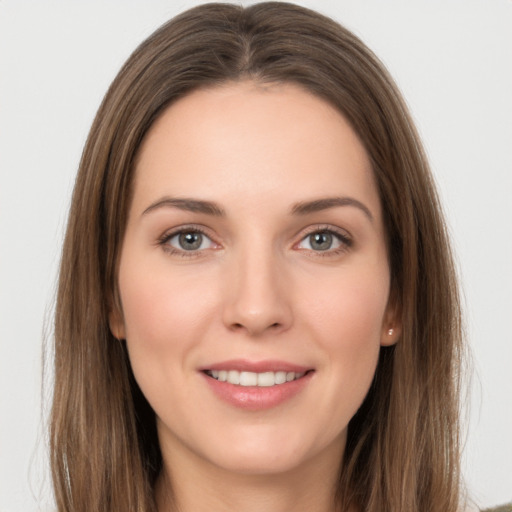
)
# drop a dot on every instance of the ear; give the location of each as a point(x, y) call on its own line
point(116, 323)
point(392, 323)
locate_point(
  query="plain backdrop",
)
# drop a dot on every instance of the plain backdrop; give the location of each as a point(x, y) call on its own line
point(451, 58)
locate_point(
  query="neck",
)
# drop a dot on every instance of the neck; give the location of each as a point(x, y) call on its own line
point(200, 488)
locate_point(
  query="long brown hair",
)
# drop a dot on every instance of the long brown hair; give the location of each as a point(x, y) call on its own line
point(402, 450)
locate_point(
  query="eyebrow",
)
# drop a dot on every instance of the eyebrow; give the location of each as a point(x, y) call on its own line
point(317, 205)
point(301, 208)
point(187, 204)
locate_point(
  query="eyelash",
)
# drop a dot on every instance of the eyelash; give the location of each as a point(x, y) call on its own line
point(164, 239)
point(344, 239)
point(342, 236)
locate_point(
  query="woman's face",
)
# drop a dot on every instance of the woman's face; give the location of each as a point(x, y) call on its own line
point(254, 252)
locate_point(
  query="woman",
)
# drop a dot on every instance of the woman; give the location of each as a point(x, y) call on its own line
point(257, 297)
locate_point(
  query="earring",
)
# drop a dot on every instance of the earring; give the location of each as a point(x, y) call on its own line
point(390, 332)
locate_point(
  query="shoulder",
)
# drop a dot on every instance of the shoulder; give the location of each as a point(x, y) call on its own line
point(471, 507)
point(502, 508)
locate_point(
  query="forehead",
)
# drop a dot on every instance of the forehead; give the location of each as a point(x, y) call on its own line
point(253, 139)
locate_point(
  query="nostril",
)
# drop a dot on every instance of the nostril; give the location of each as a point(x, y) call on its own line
point(251, 328)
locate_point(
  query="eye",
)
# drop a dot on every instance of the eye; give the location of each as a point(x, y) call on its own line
point(324, 241)
point(187, 240)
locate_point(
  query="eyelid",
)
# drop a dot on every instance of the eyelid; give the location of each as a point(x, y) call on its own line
point(187, 228)
point(341, 234)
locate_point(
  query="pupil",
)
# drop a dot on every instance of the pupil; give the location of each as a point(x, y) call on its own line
point(321, 241)
point(190, 241)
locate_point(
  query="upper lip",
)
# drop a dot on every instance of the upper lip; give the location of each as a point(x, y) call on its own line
point(243, 365)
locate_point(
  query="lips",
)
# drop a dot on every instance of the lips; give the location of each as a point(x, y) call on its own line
point(256, 385)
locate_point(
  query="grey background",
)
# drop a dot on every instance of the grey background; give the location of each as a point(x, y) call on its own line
point(453, 62)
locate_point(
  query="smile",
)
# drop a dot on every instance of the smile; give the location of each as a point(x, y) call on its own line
point(263, 379)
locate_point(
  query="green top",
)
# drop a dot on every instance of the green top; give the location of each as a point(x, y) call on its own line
point(503, 508)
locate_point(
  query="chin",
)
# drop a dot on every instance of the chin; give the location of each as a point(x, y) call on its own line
point(272, 453)
point(262, 463)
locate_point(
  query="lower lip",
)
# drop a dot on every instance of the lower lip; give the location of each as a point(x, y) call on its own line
point(257, 398)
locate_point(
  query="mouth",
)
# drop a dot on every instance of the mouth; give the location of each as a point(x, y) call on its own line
point(257, 385)
point(254, 379)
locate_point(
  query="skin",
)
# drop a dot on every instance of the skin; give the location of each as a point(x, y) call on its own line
point(256, 289)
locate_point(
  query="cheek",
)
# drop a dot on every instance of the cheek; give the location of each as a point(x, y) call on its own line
point(352, 338)
point(159, 304)
point(163, 315)
point(352, 308)
point(347, 322)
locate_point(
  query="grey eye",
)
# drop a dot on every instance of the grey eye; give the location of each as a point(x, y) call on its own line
point(190, 241)
point(321, 241)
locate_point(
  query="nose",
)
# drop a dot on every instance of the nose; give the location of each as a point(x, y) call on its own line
point(257, 295)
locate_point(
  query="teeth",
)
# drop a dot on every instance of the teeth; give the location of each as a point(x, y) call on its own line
point(233, 377)
point(280, 377)
point(246, 379)
point(265, 379)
